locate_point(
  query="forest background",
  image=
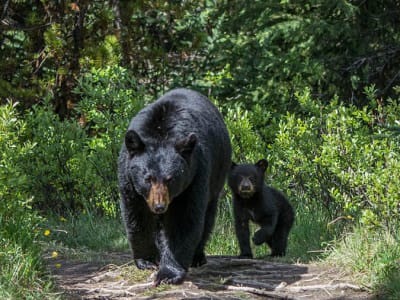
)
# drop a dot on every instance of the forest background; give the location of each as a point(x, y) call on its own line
point(312, 86)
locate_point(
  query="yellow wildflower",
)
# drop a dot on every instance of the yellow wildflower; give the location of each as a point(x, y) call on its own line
point(57, 266)
point(54, 254)
point(47, 232)
point(62, 219)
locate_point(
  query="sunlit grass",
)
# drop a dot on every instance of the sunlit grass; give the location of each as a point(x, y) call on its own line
point(22, 275)
point(372, 257)
point(90, 234)
point(85, 236)
point(223, 240)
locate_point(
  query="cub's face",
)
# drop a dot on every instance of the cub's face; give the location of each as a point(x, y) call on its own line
point(246, 179)
point(159, 173)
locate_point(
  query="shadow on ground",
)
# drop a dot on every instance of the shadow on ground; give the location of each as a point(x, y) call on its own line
point(221, 278)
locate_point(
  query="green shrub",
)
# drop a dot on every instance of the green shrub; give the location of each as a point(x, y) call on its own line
point(340, 157)
point(73, 166)
point(109, 99)
point(247, 144)
point(57, 160)
point(20, 254)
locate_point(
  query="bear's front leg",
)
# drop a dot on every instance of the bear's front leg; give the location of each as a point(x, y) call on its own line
point(264, 234)
point(140, 226)
point(170, 270)
point(242, 229)
point(261, 236)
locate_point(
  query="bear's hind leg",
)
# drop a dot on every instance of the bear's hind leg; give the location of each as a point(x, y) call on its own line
point(279, 238)
point(278, 242)
point(199, 258)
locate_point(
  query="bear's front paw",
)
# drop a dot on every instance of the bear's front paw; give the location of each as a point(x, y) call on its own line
point(169, 275)
point(145, 264)
point(259, 238)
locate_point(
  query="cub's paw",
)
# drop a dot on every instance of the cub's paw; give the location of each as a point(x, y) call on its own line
point(258, 238)
point(169, 275)
point(245, 255)
point(277, 253)
point(145, 264)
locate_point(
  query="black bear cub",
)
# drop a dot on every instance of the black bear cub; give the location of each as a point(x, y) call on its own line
point(254, 200)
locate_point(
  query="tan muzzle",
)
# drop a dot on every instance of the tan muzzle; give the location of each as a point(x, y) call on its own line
point(158, 199)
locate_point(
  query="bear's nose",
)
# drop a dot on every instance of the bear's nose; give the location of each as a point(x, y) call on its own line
point(246, 187)
point(159, 208)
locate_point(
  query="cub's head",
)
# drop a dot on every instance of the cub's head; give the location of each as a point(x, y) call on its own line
point(247, 179)
point(160, 171)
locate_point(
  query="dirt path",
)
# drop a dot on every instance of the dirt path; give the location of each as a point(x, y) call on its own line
point(220, 278)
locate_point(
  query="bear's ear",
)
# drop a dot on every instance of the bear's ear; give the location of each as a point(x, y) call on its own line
point(133, 142)
point(233, 165)
point(186, 146)
point(262, 165)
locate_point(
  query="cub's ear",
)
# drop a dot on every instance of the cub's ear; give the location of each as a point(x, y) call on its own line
point(262, 165)
point(133, 142)
point(186, 145)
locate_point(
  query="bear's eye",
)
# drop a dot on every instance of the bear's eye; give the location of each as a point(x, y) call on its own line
point(148, 178)
point(168, 178)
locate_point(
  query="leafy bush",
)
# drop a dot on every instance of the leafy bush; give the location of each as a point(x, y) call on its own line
point(247, 144)
point(73, 165)
point(57, 159)
point(109, 99)
point(341, 157)
point(20, 254)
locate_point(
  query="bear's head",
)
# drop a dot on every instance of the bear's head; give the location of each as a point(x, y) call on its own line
point(160, 171)
point(247, 179)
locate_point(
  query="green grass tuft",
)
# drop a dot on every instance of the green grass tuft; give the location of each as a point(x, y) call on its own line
point(372, 257)
point(86, 235)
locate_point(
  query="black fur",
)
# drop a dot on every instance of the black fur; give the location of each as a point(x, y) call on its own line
point(254, 200)
point(182, 142)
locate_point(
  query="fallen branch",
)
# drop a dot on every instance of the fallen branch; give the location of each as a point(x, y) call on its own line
point(256, 291)
point(329, 287)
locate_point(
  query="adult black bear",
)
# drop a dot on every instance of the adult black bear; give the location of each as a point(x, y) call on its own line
point(265, 206)
point(172, 166)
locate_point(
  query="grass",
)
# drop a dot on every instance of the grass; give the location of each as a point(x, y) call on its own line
point(223, 240)
point(85, 236)
point(374, 256)
point(22, 274)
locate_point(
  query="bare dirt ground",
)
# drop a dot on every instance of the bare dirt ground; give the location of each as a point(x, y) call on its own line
point(221, 278)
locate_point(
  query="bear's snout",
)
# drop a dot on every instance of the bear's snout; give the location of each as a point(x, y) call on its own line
point(158, 199)
point(246, 188)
